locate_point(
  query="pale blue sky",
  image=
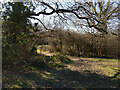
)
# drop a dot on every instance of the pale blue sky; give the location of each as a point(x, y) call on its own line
point(47, 19)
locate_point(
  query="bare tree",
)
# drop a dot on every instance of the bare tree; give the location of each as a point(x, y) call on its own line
point(96, 14)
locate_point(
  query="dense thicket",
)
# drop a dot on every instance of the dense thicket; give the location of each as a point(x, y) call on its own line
point(16, 40)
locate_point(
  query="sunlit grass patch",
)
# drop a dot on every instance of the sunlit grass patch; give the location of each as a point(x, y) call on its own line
point(104, 59)
point(39, 51)
point(47, 72)
point(47, 76)
point(113, 63)
point(108, 71)
point(16, 86)
point(107, 67)
point(100, 59)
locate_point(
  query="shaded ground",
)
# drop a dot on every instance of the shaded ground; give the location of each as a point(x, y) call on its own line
point(83, 73)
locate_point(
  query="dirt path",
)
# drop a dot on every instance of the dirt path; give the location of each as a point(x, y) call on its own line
point(47, 54)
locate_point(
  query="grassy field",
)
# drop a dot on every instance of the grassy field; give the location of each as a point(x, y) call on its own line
point(63, 72)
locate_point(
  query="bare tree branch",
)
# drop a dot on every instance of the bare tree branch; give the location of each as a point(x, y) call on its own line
point(91, 18)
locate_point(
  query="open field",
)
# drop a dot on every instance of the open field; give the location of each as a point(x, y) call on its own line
point(81, 73)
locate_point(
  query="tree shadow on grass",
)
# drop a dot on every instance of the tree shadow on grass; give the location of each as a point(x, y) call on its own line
point(64, 78)
point(53, 78)
point(69, 79)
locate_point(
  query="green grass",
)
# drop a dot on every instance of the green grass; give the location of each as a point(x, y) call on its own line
point(103, 59)
point(108, 67)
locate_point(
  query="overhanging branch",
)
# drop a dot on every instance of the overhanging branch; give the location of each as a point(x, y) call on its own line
point(74, 11)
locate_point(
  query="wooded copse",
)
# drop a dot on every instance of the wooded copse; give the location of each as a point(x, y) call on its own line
point(19, 33)
point(82, 45)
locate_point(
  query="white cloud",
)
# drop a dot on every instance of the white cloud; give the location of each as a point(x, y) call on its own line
point(1, 0)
